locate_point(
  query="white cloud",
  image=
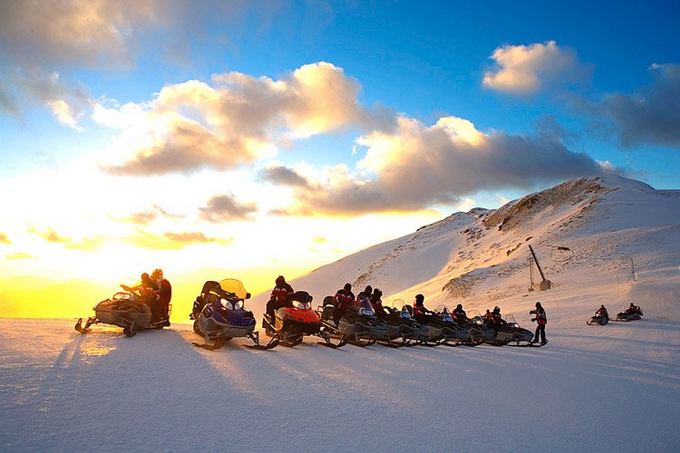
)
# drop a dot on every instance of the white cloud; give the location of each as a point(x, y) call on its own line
point(235, 120)
point(528, 69)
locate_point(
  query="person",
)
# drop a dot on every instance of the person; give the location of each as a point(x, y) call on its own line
point(488, 317)
point(344, 301)
point(420, 313)
point(541, 320)
point(459, 314)
point(633, 309)
point(164, 296)
point(279, 297)
point(366, 293)
point(602, 313)
point(376, 303)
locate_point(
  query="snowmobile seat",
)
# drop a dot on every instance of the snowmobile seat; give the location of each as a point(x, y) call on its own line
point(301, 296)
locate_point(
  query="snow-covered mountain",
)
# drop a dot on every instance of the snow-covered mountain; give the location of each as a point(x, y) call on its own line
point(588, 232)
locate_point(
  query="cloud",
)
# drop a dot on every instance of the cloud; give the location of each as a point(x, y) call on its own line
point(51, 236)
point(149, 215)
point(223, 208)
point(193, 237)
point(19, 256)
point(7, 102)
point(418, 166)
point(650, 116)
point(283, 176)
point(235, 120)
point(528, 69)
point(171, 240)
point(4, 239)
point(93, 34)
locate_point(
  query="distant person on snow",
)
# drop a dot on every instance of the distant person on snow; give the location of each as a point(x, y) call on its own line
point(344, 301)
point(280, 296)
point(541, 320)
point(376, 303)
point(459, 314)
point(602, 313)
point(420, 313)
point(633, 309)
point(164, 296)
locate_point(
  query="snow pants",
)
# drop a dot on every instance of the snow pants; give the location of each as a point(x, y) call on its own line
point(540, 330)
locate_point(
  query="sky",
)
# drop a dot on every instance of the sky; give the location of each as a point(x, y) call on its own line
point(218, 139)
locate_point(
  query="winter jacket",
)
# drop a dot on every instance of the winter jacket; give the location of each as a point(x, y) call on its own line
point(344, 300)
point(541, 318)
point(281, 294)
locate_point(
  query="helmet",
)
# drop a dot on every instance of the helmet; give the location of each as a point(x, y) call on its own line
point(377, 291)
point(538, 304)
point(459, 307)
point(496, 309)
point(368, 289)
point(348, 287)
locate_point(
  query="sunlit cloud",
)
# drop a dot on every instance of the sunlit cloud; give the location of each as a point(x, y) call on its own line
point(224, 208)
point(418, 166)
point(4, 239)
point(51, 236)
point(194, 237)
point(238, 119)
point(528, 69)
point(19, 256)
point(148, 216)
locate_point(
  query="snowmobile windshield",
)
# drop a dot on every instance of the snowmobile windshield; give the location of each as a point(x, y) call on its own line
point(511, 320)
point(302, 305)
point(365, 308)
point(231, 285)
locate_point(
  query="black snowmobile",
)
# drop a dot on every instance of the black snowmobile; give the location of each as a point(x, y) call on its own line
point(362, 327)
point(219, 315)
point(410, 331)
point(508, 332)
point(129, 309)
point(600, 319)
point(633, 313)
point(431, 327)
point(455, 334)
point(293, 322)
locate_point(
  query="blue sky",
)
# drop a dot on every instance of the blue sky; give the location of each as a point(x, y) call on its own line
point(353, 111)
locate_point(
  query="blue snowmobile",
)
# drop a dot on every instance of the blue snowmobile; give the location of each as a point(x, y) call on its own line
point(219, 315)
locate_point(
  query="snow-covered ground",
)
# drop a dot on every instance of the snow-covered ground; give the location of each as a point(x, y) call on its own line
point(592, 388)
point(613, 388)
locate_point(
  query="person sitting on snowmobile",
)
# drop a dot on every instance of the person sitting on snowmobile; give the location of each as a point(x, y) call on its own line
point(376, 303)
point(280, 296)
point(366, 293)
point(633, 309)
point(420, 313)
point(344, 301)
point(459, 314)
point(164, 296)
point(541, 319)
point(494, 319)
point(602, 313)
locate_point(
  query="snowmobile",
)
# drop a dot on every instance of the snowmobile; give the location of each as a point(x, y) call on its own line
point(292, 323)
point(360, 326)
point(129, 309)
point(456, 334)
point(219, 315)
point(600, 320)
point(431, 328)
point(629, 314)
point(411, 331)
point(509, 333)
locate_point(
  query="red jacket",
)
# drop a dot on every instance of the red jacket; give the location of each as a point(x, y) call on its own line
point(281, 293)
point(344, 300)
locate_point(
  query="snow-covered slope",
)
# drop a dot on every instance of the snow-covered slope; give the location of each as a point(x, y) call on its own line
point(480, 258)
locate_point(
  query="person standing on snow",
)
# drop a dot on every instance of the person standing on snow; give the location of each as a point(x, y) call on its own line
point(541, 320)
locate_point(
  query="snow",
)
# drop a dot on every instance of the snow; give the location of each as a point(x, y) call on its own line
point(613, 388)
point(592, 388)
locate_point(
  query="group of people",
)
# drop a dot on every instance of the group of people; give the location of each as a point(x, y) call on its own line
point(155, 291)
point(345, 300)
